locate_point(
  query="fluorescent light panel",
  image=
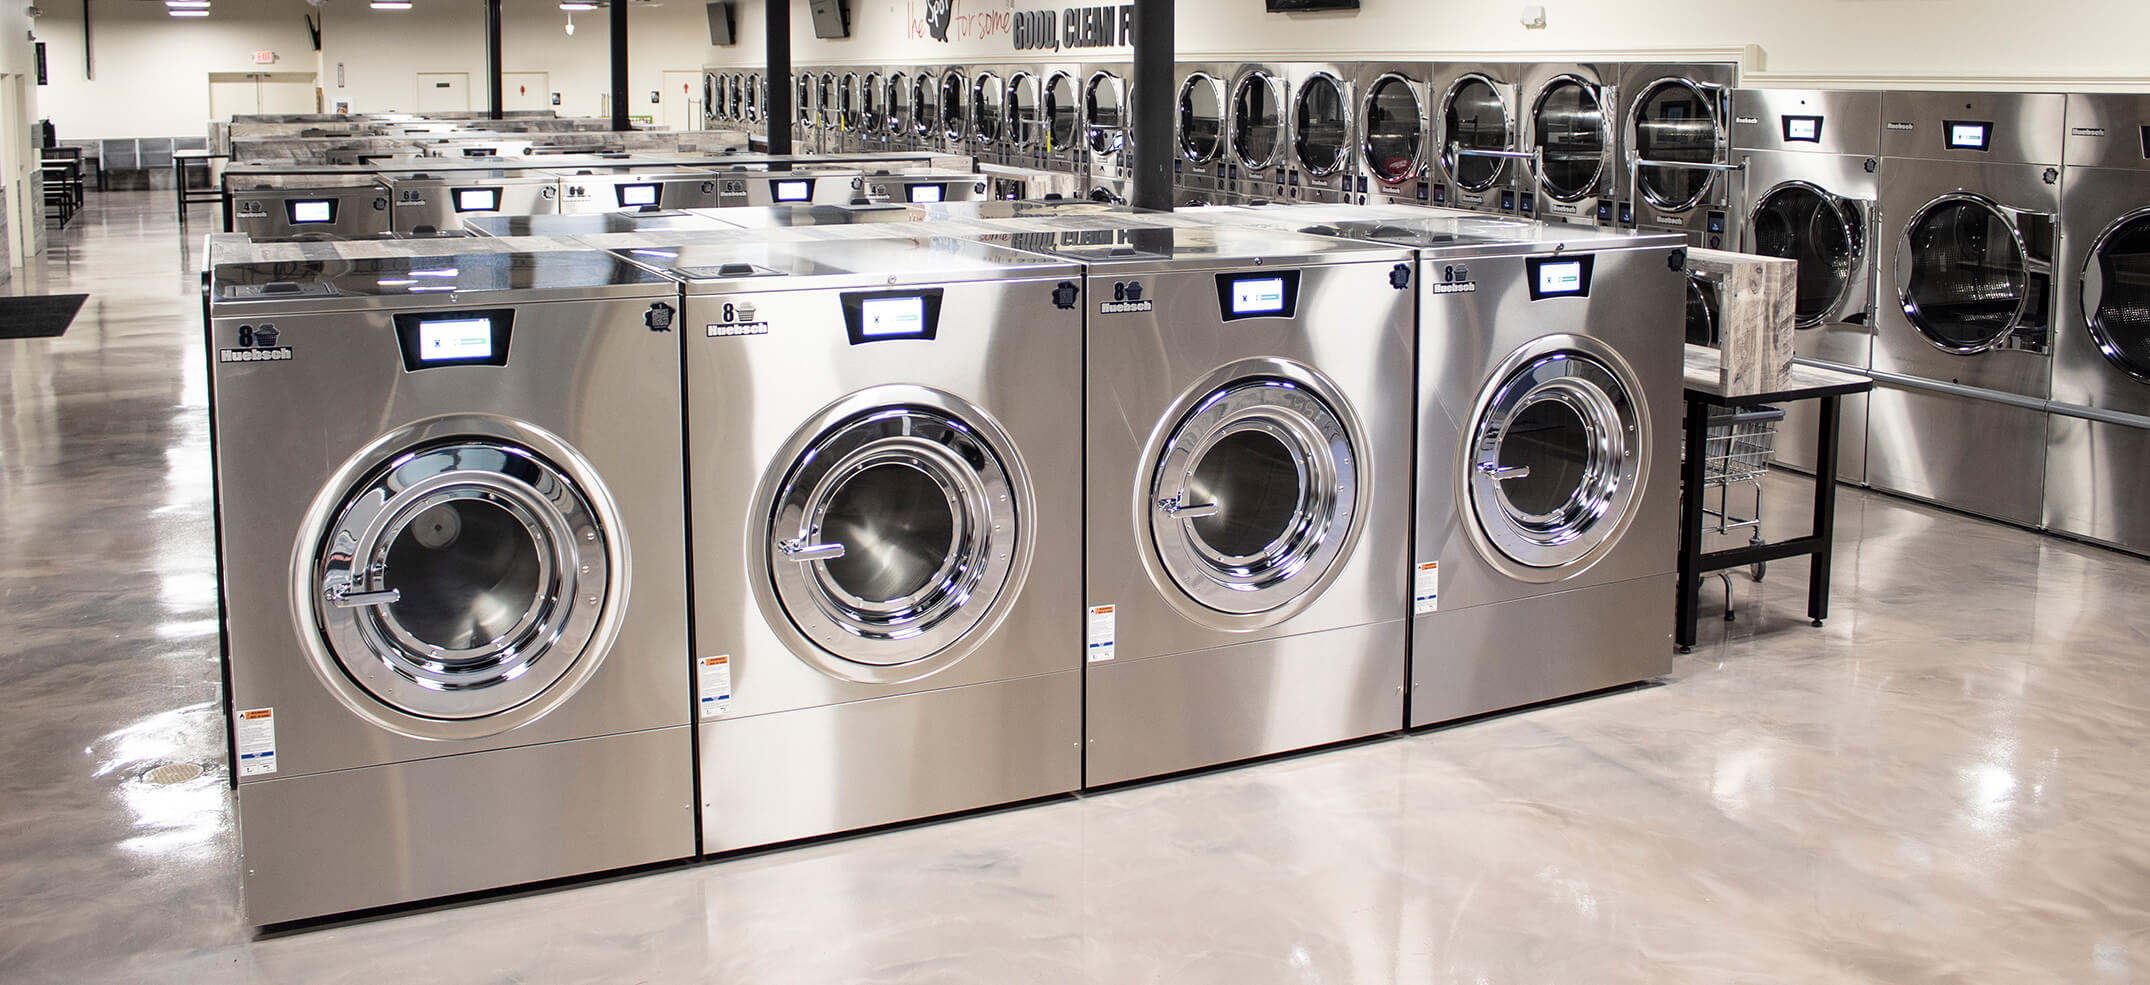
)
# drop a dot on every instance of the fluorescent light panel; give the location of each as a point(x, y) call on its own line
point(577, 5)
point(391, 4)
point(187, 13)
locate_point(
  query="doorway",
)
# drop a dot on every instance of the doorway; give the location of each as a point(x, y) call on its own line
point(443, 92)
point(525, 90)
point(246, 93)
point(680, 108)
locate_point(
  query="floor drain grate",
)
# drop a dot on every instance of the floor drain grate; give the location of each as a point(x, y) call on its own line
point(171, 773)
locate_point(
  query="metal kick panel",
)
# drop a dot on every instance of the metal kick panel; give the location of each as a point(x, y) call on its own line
point(353, 839)
point(2094, 474)
point(798, 774)
point(1485, 658)
point(1227, 703)
point(1978, 456)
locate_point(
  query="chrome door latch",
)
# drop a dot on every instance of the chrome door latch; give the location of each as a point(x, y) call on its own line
point(1172, 507)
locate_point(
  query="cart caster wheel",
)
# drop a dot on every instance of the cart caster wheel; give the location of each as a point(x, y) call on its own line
point(1760, 569)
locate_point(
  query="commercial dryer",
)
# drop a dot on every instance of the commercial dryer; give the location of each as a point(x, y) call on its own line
point(887, 530)
point(1199, 129)
point(1324, 134)
point(1024, 100)
point(1259, 154)
point(1676, 135)
point(989, 113)
point(1571, 130)
point(1060, 105)
point(2098, 423)
point(1812, 196)
point(1970, 202)
point(1548, 420)
point(1476, 130)
point(952, 116)
point(453, 571)
point(1248, 448)
point(1395, 131)
point(1106, 129)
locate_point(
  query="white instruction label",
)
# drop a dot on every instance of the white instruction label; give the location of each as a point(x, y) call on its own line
point(257, 741)
point(715, 680)
point(1426, 588)
point(1104, 621)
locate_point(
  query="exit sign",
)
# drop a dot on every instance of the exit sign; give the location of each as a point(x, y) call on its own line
point(264, 58)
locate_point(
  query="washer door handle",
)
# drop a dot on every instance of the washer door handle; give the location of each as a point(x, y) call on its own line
point(343, 598)
point(798, 550)
point(1503, 473)
point(1174, 509)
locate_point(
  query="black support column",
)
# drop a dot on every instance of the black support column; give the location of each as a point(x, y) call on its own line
point(619, 65)
point(492, 59)
point(777, 74)
point(1152, 99)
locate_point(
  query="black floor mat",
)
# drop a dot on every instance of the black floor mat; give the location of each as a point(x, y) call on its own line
point(40, 316)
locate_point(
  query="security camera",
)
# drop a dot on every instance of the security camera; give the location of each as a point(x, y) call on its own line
point(33, 11)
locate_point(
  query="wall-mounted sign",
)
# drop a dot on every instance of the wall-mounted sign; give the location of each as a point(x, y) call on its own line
point(1049, 29)
point(264, 58)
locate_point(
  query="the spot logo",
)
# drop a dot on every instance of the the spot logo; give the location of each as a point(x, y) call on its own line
point(938, 14)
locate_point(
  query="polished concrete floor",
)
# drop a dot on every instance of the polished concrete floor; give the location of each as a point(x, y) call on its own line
point(1947, 783)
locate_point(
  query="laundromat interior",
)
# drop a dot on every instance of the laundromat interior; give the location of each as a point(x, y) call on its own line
point(1238, 491)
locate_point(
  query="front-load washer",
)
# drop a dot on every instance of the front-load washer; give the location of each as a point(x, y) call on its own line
point(927, 187)
point(1259, 155)
point(1395, 131)
point(453, 573)
point(1548, 420)
point(633, 186)
point(1107, 126)
point(1676, 137)
point(590, 223)
point(887, 519)
point(1199, 142)
point(794, 186)
point(1324, 134)
point(1247, 491)
point(2098, 422)
point(1812, 196)
point(340, 206)
point(428, 201)
point(1970, 201)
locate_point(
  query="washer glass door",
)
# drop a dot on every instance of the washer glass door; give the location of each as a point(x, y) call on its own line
point(805, 105)
point(892, 535)
point(1799, 221)
point(1257, 120)
point(1395, 126)
point(1253, 496)
point(955, 103)
point(1554, 457)
point(1022, 110)
point(1963, 274)
point(2116, 294)
point(1323, 125)
point(462, 579)
point(986, 111)
point(1201, 118)
point(1570, 135)
point(1475, 118)
point(1105, 99)
point(1060, 113)
point(925, 105)
point(899, 104)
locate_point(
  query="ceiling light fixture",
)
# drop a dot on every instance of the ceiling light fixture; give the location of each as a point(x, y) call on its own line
point(390, 4)
point(187, 4)
point(575, 5)
point(175, 12)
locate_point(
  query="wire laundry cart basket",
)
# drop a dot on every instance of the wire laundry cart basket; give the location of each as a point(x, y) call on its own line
point(1735, 452)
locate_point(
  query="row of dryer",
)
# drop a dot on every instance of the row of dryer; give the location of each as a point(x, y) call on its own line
point(1983, 256)
point(539, 559)
point(1637, 144)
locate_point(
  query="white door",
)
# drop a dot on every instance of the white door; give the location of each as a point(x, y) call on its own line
point(525, 90)
point(290, 97)
point(443, 92)
point(229, 99)
point(681, 104)
point(237, 93)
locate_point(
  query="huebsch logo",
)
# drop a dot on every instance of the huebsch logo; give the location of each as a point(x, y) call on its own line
point(938, 14)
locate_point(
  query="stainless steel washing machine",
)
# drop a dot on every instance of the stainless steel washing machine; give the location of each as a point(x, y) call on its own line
point(453, 573)
point(634, 186)
point(1060, 104)
point(1259, 154)
point(344, 206)
point(1395, 131)
point(2098, 425)
point(896, 104)
point(590, 224)
point(1571, 130)
point(1248, 448)
point(1023, 99)
point(1106, 128)
point(952, 92)
point(887, 523)
point(926, 108)
point(989, 114)
point(427, 201)
point(1324, 134)
point(1681, 175)
point(798, 186)
point(1812, 196)
point(1549, 404)
point(1200, 145)
point(1970, 202)
point(1476, 133)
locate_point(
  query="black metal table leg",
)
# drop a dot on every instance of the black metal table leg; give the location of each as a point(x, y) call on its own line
point(1690, 569)
point(1825, 466)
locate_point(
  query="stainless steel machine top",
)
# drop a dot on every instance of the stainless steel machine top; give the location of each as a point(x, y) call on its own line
point(590, 223)
point(885, 262)
point(1180, 247)
point(431, 281)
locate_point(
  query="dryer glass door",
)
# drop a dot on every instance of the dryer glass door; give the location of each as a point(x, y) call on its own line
point(987, 114)
point(1060, 113)
point(462, 579)
point(1675, 122)
point(2116, 294)
point(1105, 100)
point(1964, 275)
point(955, 105)
point(1395, 124)
point(925, 104)
point(1702, 313)
point(1799, 221)
point(1323, 125)
point(892, 535)
point(1257, 120)
point(1553, 458)
point(805, 105)
point(1022, 110)
point(899, 104)
point(1475, 117)
point(1201, 118)
point(1570, 135)
point(1252, 498)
